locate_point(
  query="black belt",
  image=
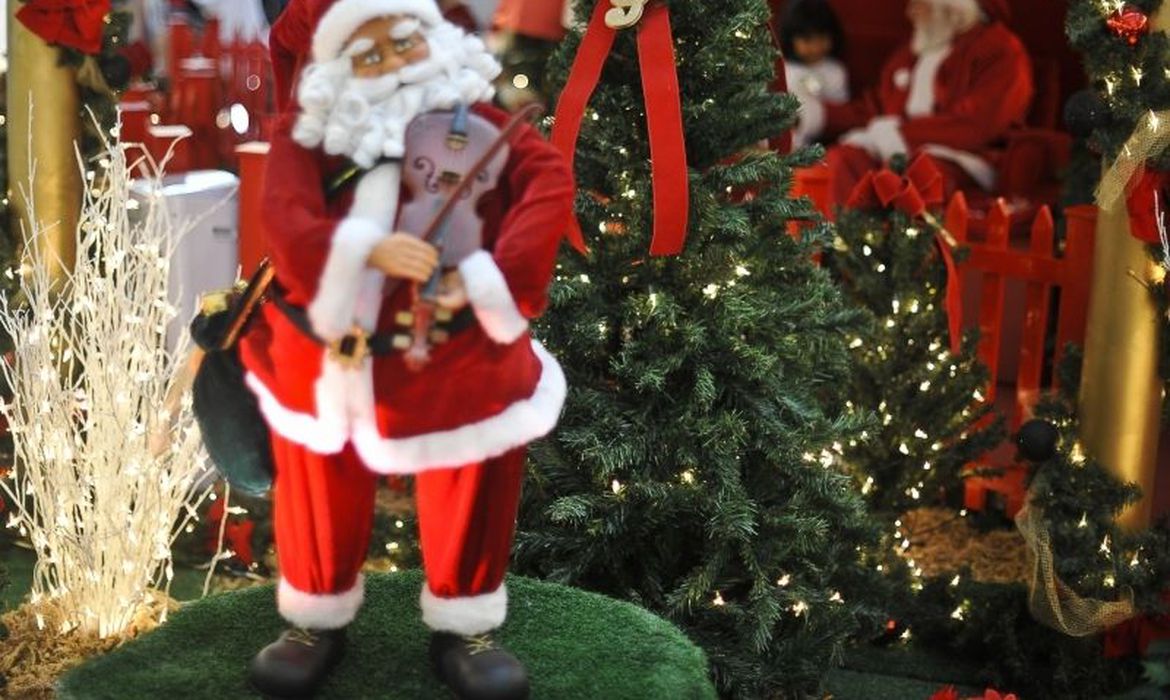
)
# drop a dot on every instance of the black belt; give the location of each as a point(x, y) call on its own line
point(353, 348)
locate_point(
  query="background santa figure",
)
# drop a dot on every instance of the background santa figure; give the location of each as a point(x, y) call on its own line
point(953, 91)
point(340, 418)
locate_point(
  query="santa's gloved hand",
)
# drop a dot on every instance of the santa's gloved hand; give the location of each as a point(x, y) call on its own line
point(881, 138)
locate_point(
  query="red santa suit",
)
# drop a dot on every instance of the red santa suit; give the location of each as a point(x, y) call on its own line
point(460, 424)
point(955, 102)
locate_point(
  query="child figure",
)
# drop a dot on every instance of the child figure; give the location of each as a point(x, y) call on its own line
point(812, 41)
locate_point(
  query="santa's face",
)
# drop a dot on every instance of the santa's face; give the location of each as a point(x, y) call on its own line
point(385, 45)
point(359, 102)
point(937, 23)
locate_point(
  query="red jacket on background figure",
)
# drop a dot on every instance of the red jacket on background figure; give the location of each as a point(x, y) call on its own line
point(983, 88)
point(966, 99)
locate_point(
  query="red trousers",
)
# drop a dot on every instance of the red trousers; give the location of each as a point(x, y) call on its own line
point(848, 164)
point(323, 515)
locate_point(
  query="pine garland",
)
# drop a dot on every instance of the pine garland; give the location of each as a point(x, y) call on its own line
point(1132, 80)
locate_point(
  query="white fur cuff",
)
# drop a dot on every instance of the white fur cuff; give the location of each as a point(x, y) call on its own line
point(495, 309)
point(319, 611)
point(466, 615)
point(332, 311)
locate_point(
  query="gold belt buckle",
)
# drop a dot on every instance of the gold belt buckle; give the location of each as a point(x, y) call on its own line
point(352, 349)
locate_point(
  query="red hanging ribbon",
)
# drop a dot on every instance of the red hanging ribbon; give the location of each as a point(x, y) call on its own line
point(954, 296)
point(663, 116)
point(912, 194)
point(77, 24)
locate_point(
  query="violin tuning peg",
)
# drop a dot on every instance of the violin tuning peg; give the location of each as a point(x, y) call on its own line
point(401, 342)
point(443, 315)
point(404, 318)
point(440, 337)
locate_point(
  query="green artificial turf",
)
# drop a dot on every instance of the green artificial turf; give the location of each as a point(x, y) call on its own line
point(576, 645)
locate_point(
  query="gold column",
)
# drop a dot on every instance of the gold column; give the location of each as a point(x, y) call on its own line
point(1121, 393)
point(35, 79)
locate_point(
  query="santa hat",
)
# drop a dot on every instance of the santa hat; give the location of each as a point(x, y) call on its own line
point(344, 17)
point(323, 26)
point(996, 10)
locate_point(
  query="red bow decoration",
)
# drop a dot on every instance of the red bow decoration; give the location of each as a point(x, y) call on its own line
point(1129, 23)
point(1146, 202)
point(922, 185)
point(913, 193)
point(660, 90)
point(77, 24)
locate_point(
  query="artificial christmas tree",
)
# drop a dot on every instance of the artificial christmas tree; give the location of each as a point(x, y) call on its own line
point(911, 366)
point(696, 470)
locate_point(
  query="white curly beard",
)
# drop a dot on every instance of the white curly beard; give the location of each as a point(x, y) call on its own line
point(365, 119)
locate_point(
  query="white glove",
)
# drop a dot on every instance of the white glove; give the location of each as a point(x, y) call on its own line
point(881, 138)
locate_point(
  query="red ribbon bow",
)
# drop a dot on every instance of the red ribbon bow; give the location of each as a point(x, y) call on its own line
point(913, 193)
point(921, 186)
point(660, 89)
point(77, 24)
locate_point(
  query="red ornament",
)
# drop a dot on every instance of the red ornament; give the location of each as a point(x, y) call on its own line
point(1129, 23)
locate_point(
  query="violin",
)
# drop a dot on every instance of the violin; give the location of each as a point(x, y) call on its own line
point(452, 160)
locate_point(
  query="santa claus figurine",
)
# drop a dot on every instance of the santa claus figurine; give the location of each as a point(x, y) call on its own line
point(322, 357)
point(954, 91)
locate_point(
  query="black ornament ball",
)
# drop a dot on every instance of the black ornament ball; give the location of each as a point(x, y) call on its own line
point(1084, 112)
point(116, 71)
point(1037, 440)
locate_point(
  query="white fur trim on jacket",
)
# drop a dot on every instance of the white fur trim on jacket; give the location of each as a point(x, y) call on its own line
point(920, 101)
point(348, 391)
point(319, 611)
point(979, 169)
point(333, 311)
point(466, 615)
point(492, 301)
point(339, 23)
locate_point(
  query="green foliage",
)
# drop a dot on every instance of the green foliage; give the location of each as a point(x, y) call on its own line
point(1016, 652)
point(1110, 60)
point(929, 425)
point(685, 474)
point(1079, 500)
point(1157, 674)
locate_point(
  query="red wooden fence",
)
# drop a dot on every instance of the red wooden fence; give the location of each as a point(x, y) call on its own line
point(1039, 266)
point(997, 256)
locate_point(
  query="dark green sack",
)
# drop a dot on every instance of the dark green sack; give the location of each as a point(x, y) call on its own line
point(234, 430)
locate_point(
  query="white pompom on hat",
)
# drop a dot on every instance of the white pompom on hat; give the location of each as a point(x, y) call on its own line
point(344, 18)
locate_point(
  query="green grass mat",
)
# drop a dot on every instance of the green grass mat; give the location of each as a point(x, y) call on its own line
point(576, 645)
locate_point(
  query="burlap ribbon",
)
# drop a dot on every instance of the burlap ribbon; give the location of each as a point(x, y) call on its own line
point(1050, 600)
point(1150, 137)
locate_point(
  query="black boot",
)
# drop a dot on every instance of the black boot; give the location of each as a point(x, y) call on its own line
point(476, 669)
point(295, 664)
